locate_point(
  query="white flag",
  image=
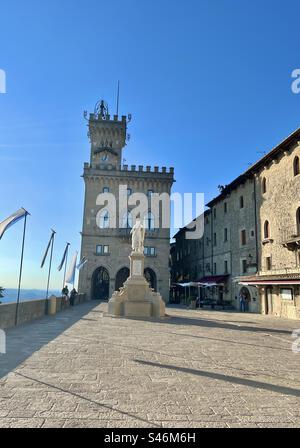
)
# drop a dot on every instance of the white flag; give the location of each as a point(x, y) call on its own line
point(70, 278)
point(82, 263)
point(11, 220)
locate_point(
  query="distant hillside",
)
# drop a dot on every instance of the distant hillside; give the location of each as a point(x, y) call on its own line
point(10, 294)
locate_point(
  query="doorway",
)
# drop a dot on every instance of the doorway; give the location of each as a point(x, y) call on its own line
point(100, 284)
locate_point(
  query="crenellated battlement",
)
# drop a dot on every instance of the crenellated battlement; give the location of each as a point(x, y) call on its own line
point(129, 168)
point(107, 118)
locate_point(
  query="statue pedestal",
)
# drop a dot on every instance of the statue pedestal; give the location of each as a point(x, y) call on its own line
point(136, 298)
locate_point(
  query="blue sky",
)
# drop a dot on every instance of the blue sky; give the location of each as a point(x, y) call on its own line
point(208, 83)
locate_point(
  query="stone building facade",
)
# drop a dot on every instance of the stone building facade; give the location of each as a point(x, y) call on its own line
point(106, 241)
point(277, 178)
point(251, 241)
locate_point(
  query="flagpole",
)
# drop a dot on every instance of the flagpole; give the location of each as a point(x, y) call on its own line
point(21, 268)
point(66, 260)
point(50, 264)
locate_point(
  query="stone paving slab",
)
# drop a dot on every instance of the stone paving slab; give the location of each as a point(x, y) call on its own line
point(196, 368)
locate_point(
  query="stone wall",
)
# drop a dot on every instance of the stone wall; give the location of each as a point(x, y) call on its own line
point(31, 310)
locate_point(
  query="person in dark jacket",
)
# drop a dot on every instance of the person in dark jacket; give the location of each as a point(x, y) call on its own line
point(73, 296)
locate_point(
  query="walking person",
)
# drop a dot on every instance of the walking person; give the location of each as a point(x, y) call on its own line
point(242, 302)
point(65, 296)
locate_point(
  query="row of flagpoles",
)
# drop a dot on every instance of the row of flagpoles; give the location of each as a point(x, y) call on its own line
point(69, 277)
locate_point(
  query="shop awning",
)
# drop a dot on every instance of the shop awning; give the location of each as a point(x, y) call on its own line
point(270, 282)
point(265, 280)
point(213, 280)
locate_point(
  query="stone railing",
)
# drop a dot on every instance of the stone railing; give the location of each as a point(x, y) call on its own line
point(33, 309)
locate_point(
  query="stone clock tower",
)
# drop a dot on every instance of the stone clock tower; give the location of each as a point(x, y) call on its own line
point(105, 247)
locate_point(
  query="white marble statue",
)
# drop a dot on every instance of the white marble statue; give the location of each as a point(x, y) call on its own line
point(138, 236)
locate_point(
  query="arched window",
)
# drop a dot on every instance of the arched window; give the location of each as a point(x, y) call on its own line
point(103, 219)
point(266, 229)
point(150, 276)
point(127, 221)
point(149, 221)
point(264, 185)
point(105, 190)
point(298, 221)
point(296, 166)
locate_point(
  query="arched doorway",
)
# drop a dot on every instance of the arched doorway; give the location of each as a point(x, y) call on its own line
point(150, 276)
point(100, 284)
point(246, 293)
point(121, 277)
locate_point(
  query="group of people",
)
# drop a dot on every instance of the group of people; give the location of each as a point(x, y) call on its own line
point(69, 298)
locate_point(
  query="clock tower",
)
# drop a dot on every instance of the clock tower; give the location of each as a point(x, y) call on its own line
point(107, 136)
point(105, 236)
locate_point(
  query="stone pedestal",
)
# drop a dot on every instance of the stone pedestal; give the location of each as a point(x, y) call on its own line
point(136, 298)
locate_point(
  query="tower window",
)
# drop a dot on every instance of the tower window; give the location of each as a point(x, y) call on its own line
point(129, 191)
point(105, 190)
point(102, 249)
point(225, 267)
point(296, 166)
point(298, 222)
point(225, 235)
point(149, 223)
point(264, 185)
point(266, 229)
point(104, 220)
point(127, 221)
point(243, 237)
point(268, 263)
point(149, 251)
point(150, 193)
point(215, 239)
point(225, 207)
point(241, 201)
point(215, 213)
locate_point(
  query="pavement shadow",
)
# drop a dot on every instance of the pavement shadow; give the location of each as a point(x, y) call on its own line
point(90, 401)
point(231, 379)
point(210, 323)
point(24, 340)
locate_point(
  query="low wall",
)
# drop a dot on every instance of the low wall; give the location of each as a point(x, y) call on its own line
point(33, 309)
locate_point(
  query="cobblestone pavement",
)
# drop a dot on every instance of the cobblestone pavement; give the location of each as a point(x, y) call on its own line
point(193, 369)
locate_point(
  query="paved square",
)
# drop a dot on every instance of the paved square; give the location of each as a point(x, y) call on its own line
point(193, 369)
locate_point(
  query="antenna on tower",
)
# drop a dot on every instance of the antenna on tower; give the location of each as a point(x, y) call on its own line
point(118, 97)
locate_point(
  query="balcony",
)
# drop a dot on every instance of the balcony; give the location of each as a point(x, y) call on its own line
point(290, 237)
